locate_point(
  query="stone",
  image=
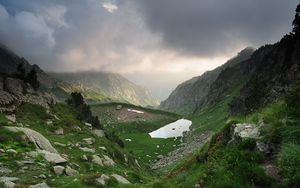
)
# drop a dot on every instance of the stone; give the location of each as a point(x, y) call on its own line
point(90, 150)
point(58, 170)
point(11, 151)
point(119, 107)
point(8, 181)
point(59, 144)
point(98, 132)
point(120, 179)
point(107, 161)
point(59, 131)
point(88, 125)
point(42, 176)
point(77, 128)
point(38, 139)
point(102, 180)
point(11, 118)
point(84, 158)
point(32, 154)
point(97, 160)
point(49, 122)
point(246, 130)
point(53, 158)
point(103, 148)
point(89, 141)
point(4, 170)
point(14, 86)
point(264, 148)
point(71, 172)
point(40, 185)
point(2, 150)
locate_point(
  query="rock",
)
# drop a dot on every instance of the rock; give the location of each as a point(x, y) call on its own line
point(32, 154)
point(107, 161)
point(58, 170)
point(11, 118)
point(103, 148)
point(71, 172)
point(77, 128)
point(11, 151)
point(84, 149)
point(102, 180)
point(49, 122)
point(59, 131)
point(119, 107)
point(42, 176)
point(160, 156)
point(53, 158)
point(8, 181)
point(4, 170)
point(97, 160)
point(40, 185)
point(9, 184)
point(39, 140)
point(14, 86)
point(84, 158)
point(59, 144)
point(246, 130)
point(264, 148)
point(2, 150)
point(89, 141)
point(120, 179)
point(88, 125)
point(99, 133)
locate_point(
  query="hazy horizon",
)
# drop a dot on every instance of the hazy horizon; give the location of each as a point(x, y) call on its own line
point(155, 44)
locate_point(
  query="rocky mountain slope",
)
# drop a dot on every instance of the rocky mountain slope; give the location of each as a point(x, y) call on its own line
point(189, 95)
point(112, 85)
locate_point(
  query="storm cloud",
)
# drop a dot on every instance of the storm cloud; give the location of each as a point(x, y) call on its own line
point(172, 40)
point(212, 27)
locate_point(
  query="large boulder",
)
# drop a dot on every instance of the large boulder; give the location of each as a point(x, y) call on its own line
point(120, 179)
point(246, 130)
point(40, 185)
point(53, 158)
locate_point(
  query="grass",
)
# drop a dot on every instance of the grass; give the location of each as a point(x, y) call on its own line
point(141, 145)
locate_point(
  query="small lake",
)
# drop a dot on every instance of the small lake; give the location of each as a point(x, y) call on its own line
point(171, 130)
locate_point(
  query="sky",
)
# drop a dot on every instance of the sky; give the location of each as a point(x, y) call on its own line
point(154, 43)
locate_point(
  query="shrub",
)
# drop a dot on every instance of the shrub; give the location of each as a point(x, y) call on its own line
point(289, 164)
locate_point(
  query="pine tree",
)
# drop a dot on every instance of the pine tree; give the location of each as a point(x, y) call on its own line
point(296, 22)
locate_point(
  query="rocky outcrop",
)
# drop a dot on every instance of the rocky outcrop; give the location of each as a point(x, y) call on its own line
point(120, 179)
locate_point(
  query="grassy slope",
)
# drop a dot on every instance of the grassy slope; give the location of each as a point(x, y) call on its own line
point(141, 144)
point(36, 116)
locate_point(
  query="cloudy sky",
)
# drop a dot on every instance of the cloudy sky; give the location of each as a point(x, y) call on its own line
point(155, 43)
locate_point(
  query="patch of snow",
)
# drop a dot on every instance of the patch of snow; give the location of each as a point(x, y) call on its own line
point(171, 130)
point(135, 111)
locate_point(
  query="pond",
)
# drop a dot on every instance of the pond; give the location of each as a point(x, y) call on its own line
point(171, 130)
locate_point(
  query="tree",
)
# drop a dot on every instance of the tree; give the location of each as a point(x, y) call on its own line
point(32, 79)
point(296, 22)
point(21, 71)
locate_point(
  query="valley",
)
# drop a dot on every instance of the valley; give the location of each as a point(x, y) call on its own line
point(236, 126)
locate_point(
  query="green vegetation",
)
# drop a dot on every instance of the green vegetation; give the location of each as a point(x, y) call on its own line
point(134, 130)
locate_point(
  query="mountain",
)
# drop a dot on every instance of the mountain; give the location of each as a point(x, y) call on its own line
point(114, 86)
point(190, 94)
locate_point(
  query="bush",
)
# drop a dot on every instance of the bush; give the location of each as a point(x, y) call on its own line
point(289, 165)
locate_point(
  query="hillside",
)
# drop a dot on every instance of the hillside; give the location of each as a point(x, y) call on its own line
point(189, 95)
point(111, 85)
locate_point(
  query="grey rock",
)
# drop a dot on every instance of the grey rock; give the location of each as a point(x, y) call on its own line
point(40, 185)
point(59, 131)
point(90, 150)
point(8, 181)
point(107, 161)
point(99, 133)
point(53, 158)
point(89, 141)
point(102, 180)
point(71, 172)
point(59, 144)
point(120, 179)
point(119, 107)
point(84, 158)
point(103, 148)
point(2, 150)
point(97, 160)
point(58, 170)
point(246, 130)
point(11, 118)
point(11, 151)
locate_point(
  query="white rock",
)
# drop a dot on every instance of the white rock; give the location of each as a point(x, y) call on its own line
point(11, 151)
point(58, 170)
point(84, 158)
point(11, 118)
point(103, 148)
point(59, 131)
point(120, 179)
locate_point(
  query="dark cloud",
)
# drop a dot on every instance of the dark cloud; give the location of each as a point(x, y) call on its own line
point(211, 27)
